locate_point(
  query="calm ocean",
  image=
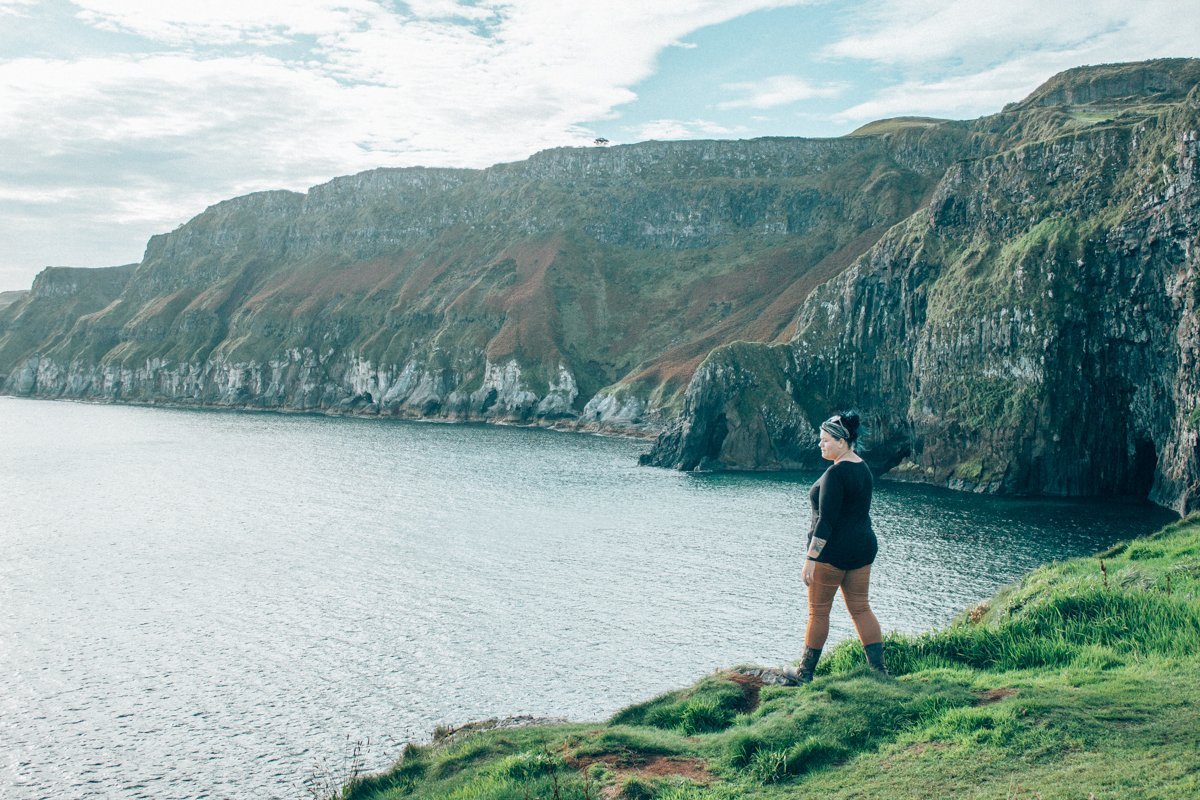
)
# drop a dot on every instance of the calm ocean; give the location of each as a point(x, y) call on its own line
point(209, 605)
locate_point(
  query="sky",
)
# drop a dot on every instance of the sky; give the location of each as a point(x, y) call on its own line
point(120, 119)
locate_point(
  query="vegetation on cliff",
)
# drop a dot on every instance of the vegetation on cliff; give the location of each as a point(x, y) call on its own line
point(521, 292)
point(1010, 302)
point(1031, 330)
point(1081, 681)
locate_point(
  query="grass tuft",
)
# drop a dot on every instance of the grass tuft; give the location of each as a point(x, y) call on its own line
point(1078, 680)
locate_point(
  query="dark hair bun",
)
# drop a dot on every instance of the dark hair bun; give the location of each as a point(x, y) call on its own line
point(851, 422)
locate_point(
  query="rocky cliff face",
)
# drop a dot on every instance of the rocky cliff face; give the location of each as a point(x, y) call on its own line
point(8, 298)
point(1011, 302)
point(580, 287)
point(1032, 330)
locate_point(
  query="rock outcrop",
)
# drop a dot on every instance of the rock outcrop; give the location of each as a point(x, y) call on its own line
point(1032, 330)
point(580, 287)
point(8, 298)
point(1009, 302)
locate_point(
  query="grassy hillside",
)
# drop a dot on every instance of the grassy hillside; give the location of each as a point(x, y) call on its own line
point(1082, 681)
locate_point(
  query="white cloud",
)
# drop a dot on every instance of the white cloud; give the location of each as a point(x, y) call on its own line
point(958, 98)
point(221, 97)
point(171, 104)
point(965, 58)
point(452, 9)
point(404, 84)
point(915, 31)
point(15, 7)
point(983, 33)
point(44, 196)
point(225, 21)
point(228, 96)
point(775, 91)
point(683, 129)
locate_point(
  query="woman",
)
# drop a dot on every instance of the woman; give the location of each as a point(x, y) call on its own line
point(841, 546)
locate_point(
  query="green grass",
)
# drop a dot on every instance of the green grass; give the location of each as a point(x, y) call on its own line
point(1081, 681)
point(884, 126)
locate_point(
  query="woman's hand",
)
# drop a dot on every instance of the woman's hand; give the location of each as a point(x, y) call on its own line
point(815, 546)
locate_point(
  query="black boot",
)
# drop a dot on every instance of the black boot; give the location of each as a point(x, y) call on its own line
point(808, 665)
point(875, 657)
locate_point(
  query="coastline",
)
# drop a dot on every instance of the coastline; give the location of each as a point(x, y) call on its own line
point(648, 434)
point(323, 522)
point(1079, 680)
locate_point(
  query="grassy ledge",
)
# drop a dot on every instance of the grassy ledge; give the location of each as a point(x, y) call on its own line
point(1082, 681)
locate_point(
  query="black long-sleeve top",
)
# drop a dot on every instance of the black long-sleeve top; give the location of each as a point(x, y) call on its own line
point(841, 503)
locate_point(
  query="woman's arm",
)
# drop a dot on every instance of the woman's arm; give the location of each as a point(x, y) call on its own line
point(829, 507)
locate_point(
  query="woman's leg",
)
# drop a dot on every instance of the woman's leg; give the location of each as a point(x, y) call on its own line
point(855, 590)
point(821, 591)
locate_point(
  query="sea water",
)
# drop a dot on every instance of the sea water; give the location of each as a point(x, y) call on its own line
point(202, 604)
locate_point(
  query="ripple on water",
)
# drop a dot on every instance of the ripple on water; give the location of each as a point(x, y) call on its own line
point(197, 604)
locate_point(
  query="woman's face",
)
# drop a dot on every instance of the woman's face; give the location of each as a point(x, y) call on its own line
point(831, 448)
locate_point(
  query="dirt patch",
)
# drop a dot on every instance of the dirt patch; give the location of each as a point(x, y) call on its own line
point(629, 763)
point(995, 695)
point(626, 764)
point(626, 759)
point(976, 614)
point(751, 686)
point(691, 768)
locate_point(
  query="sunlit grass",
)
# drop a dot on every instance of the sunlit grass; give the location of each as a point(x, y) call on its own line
point(1082, 680)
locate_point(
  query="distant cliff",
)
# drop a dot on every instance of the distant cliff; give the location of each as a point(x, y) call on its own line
point(580, 286)
point(1009, 301)
point(8, 298)
point(1032, 329)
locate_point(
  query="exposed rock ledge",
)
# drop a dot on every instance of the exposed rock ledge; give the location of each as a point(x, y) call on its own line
point(298, 382)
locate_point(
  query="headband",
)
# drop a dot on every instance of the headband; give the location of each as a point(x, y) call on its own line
point(835, 429)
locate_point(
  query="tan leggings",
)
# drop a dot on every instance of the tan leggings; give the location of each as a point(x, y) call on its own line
point(854, 585)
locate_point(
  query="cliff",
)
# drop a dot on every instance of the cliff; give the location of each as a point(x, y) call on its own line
point(8, 298)
point(1010, 302)
point(1079, 681)
point(1031, 330)
point(581, 286)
